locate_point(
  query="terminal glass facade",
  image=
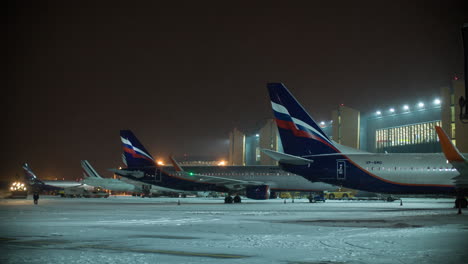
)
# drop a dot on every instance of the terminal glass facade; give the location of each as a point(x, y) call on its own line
point(414, 135)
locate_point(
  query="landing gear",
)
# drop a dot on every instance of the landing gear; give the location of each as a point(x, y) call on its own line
point(237, 199)
point(228, 199)
point(461, 202)
point(146, 190)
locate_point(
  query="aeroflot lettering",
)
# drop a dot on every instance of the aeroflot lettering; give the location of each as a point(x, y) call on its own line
point(374, 162)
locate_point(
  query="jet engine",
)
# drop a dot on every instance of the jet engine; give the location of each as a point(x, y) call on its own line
point(260, 192)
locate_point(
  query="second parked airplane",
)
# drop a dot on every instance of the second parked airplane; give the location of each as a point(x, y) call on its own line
point(91, 177)
point(257, 182)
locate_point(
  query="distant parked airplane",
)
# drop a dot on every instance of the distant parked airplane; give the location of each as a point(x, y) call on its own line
point(91, 177)
point(48, 185)
point(256, 181)
point(309, 152)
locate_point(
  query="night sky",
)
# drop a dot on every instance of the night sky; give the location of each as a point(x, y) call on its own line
point(182, 75)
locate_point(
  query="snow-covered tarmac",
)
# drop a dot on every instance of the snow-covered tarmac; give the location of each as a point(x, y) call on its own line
point(204, 230)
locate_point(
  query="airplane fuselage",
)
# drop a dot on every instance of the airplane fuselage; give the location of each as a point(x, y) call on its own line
point(275, 178)
point(384, 173)
point(63, 184)
point(111, 184)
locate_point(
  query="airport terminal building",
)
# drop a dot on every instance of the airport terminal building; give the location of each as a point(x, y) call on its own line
point(400, 129)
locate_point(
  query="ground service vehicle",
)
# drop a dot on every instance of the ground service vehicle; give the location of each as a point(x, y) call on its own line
point(339, 194)
point(18, 190)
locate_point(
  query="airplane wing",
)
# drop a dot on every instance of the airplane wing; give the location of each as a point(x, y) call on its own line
point(66, 184)
point(454, 157)
point(176, 165)
point(122, 172)
point(230, 183)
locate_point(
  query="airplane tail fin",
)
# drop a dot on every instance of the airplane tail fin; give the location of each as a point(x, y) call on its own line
point(175, 164)
point(30, 177)
point(135, 154)
point(450, 151)
point(124, 160)
point(300, 134)
point(88, 170)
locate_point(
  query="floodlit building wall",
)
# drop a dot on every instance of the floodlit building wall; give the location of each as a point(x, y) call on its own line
point(269, 139)
point(415, 127)
point(451, 123)
point(447, 111)
point(252, 157)
point(236, 147)
point(346, 123)
point(410, 131)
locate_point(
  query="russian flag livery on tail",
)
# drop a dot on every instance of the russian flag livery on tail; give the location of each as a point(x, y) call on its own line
point(300, 134)
point(135, 154)
point(309, 152)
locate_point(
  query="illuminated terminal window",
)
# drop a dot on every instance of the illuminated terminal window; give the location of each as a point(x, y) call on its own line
point(422, 133)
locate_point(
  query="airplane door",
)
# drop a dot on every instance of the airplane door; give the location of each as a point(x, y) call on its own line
point(341, 169)
point(157, 175)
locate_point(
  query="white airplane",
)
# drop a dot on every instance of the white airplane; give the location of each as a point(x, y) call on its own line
point(48, 185)
point(91, 177)
point(309, 152)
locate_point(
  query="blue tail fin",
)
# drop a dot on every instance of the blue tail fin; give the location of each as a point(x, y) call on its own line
point(30, 177)
point(300, 134)
point(136, 156)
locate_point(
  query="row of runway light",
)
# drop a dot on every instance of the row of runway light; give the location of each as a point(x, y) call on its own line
point(406, 108)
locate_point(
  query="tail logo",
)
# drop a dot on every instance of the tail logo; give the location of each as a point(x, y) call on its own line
point(134, 151)
point(298, 127)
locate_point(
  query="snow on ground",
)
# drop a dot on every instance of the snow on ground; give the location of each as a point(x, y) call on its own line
point(204, 230)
